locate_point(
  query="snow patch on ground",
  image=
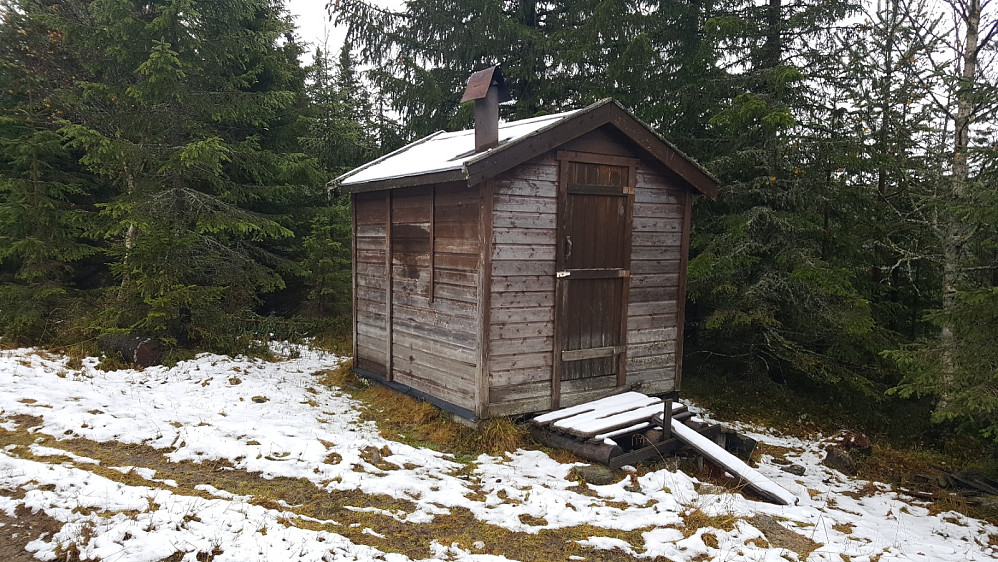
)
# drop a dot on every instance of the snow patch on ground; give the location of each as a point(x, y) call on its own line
point(274, 419)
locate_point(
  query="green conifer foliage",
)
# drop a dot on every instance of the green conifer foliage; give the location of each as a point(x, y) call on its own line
point(42, 193)
point(776, 259)
point(186, 108)
point(341, 133)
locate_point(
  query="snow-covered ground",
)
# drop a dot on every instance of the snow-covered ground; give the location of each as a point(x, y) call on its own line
point(273, 419)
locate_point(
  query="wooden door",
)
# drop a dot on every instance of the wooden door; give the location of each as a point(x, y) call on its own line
point(595, 202)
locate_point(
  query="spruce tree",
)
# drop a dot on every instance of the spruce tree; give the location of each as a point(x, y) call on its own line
point(43, 194)
point(341, 133)
point(774, 268)
point(187, 108)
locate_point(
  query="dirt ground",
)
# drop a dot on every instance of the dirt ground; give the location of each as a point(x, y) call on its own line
point(18, 531)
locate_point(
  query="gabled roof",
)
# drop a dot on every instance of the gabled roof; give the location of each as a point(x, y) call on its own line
point(447, 157)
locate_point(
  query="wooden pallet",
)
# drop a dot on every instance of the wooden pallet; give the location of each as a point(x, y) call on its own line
point(631, 428)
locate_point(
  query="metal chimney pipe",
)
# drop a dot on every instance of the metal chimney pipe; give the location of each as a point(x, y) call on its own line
point(488, 89)
point(487, 120)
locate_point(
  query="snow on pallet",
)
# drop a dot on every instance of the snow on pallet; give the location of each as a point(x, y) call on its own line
point(604, 415)
point(631, 412)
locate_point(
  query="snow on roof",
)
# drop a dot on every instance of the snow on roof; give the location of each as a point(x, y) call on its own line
point(442, 151)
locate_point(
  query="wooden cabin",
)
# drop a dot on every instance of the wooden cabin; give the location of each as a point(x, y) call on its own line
point(523, 266)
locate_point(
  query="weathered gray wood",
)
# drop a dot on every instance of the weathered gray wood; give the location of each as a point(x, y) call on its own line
point(532, 314)
point(462, 352)
point(520, 376)
point(416, 316)
point(523, 330)
point(426, 381)
point(521, 361)
point(482, 390)
point(651, 362)
point(523, 283)
point(590, 353)
point(658, 347)
point(523, 252)
point(456, 246)
point(657, 239)
point(540, 169)
point(660, 295)
point(523, 236)
point(371, 243)
point(371, 256)
point(457, 277)
point(522, 267)
point(374, 230)
point(653, 266)
point(651, 335)
point(646, 308)
point(530, 220)
point(514, 346)
point(511, 299)
point(525, 406)
point(658, 224)
point(461, 293)
point(526, 187)
point(522, 391)
point(656, 210)
point(587, 385)
point(542, 205)
point(464, 262)
point(648, 280)
point(661, 319)
point(658, 196)
point(456, 375)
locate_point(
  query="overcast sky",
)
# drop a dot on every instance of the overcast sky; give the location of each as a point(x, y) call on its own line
point(313, 23)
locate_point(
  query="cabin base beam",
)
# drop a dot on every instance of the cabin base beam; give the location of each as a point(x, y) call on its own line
point(458, 411)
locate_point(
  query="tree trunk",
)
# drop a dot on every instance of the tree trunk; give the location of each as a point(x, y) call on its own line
point(953, 233)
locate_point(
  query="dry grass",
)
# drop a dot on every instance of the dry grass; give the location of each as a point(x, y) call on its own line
point(499, 435)
point(694, 518)
point(308, 502)
point(415, 422)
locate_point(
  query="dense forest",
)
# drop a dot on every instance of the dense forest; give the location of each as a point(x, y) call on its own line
point(163, 170)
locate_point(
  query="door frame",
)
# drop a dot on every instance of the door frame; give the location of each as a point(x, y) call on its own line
point(565, 157)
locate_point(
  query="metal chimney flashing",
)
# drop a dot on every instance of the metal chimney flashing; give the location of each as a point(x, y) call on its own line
point(480, 82)
point(488, 89)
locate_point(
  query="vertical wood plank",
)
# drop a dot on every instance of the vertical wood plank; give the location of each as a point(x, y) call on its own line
point(433, 239)
point(564, 167)
point(390, 281)
point(485, 238)
point(353, 270)
point(684, 257)
point(632, 182)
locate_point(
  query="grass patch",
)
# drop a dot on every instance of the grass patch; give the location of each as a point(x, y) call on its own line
point(695, 519)
point(304, 501)
point(418, 423)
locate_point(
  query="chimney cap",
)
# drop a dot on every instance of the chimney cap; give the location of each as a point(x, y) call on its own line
point(481, 81)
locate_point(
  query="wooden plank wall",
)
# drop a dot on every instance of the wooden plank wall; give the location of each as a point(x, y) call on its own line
point(371, 332)
point(653, 305)
point(435, 317)
point(521, 324)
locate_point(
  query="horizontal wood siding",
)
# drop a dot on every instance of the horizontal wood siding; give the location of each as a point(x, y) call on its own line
point(369, 265)
point(521, 322)
point(655, 270)
point(434, 346)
